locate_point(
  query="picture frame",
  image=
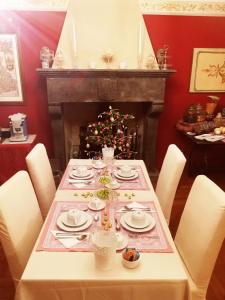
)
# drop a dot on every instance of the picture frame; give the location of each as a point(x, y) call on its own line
point(208, 70)
point(10, 75)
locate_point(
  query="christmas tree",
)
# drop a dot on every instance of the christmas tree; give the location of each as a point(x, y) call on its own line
point(111, 130)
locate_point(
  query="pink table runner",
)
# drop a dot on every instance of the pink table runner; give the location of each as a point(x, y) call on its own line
point(152, 241)
point(138, 183)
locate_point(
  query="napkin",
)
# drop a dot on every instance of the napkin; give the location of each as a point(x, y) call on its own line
point(69, 242)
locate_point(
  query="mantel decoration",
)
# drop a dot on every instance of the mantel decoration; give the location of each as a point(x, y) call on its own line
point(10, 83)
point(208, 70)
point(111, 130)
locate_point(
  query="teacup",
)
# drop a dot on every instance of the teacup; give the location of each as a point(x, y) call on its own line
point(138, 217)
point(73, 216)
point(125, 170)
point(82, 171)
point(95, 203)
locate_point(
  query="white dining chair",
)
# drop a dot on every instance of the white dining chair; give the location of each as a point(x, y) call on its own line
point(42, 177)
point(20, 221)
point(200, 234)
point(169, 177)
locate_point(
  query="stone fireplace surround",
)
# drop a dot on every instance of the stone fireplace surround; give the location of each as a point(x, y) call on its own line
point(73, 89)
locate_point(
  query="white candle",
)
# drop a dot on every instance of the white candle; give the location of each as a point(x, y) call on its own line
point(74, 39)
point(140, 41)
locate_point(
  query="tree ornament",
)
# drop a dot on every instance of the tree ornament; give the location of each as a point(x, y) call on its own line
point(96, 132)
point(118, 131)
point(88, 146)
point(127, 145)
point(112, 119)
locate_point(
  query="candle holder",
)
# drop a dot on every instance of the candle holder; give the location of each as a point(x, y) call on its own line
point(108, 57)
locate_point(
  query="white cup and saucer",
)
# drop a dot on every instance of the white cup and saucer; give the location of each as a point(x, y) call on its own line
point(81, 172)
point(126, 172)
point(137, 221)
point(74, 218)
point(96, 204)
point(98, 164)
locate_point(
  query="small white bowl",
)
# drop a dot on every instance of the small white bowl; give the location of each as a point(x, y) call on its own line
point(131, 264)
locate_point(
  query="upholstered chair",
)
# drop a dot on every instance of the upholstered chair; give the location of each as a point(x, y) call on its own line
point(42, 177)
point(20, 221)
point(169, 177)
point(200, 234)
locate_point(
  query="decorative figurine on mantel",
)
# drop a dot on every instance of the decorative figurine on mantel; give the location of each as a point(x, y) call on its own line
point(162, 56)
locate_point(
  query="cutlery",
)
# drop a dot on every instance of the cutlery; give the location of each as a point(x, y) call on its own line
point(79, 181)
point(117, 223)
point(77, 237)
point(96, 218)
point(70, 233)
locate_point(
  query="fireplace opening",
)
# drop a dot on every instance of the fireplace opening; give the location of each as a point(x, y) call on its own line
point(77, 116)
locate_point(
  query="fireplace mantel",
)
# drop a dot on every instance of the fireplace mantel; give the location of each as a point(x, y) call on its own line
point(107, 85)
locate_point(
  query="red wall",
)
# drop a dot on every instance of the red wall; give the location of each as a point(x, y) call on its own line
point(182, 34)
point(34, 30)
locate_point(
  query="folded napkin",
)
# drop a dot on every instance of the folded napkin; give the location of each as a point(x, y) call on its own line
point(68, 242)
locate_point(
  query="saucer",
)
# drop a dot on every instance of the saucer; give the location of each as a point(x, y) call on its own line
point(101, 206)
point(123, 241)
point(74, 176)
point(60, 224)
point(132, 229)
point(117, 174)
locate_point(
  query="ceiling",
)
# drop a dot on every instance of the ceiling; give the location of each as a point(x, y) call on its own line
point(172, 7)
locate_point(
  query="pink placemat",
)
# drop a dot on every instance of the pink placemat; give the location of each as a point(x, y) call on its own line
point(138, 183)
point(152, 241)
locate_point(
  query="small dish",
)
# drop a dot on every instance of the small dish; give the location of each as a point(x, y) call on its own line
point(96, 208)
point(131, 264)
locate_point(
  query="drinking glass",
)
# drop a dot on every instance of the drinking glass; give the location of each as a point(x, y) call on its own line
point(108, 156)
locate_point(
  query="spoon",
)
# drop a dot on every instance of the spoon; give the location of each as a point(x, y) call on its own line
point(79, 237)
point(117, 223)
point(96, 217)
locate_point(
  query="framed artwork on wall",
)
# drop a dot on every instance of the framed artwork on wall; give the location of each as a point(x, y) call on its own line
point(10, 76)
point(208, 70)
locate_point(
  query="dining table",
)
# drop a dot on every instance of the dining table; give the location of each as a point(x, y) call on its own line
point(65, 269)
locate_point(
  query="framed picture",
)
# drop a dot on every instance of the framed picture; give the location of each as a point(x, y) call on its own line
point(10, 78)
point(208, 70)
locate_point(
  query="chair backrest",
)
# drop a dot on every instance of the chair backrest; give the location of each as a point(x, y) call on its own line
point(169, 177)
point(201, 232)
point(42, 177)
point(20, 221)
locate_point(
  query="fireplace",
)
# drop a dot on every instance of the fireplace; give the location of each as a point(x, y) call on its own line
point(76, 96)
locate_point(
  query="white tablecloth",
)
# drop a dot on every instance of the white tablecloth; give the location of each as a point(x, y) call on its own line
point(73, 275)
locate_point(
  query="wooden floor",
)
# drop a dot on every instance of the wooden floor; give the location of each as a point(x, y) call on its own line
point(216, 289)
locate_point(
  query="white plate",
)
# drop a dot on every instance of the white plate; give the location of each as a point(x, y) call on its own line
point(83, 219)
point(101, 206)
point(126, 226)
point(128, 220)
point(80, 228)
point(125, 178)
point(90, 175)
point(122, 244)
